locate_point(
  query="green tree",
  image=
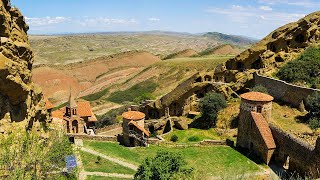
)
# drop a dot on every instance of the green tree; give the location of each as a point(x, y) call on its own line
point(313, 104)
point(314, 123)
point(166, 165)
point(260, 88)
point(210, 105)
point(33, 155)
point(174, 138)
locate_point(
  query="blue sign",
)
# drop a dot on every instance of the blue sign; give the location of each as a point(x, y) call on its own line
point(71, 162)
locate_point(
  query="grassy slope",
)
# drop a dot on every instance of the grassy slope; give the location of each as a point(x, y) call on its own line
point(287, 118)
point(215, 161)
point(89, 163)
point(184, 135)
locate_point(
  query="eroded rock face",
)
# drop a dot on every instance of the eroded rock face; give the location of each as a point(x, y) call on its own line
point(20, 101)
point(282, 45)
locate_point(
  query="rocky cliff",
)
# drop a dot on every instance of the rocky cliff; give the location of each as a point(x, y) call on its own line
point(21, 103)
point(276, 49)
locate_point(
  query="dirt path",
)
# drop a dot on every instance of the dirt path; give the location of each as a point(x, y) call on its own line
point(120, 162)
point(125, 176)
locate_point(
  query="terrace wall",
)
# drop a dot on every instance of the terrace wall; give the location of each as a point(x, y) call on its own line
point(284, 91)
point(108, 128)
point(303, 158)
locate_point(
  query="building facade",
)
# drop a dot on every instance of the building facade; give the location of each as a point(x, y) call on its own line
point(76, 117)
point(134, 133)
point(254, 133)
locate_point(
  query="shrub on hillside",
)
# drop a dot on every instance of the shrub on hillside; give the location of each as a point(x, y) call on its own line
point(31, 155)
point(110, 117)
point(313, 104)
point(314, 123)
point(174, 138)
point(166, 165)
point(210, 105)
point(305, 68)
point(193, 138)
point(260, 88)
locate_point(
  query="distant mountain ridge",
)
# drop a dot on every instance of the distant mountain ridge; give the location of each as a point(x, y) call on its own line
point(230, 39)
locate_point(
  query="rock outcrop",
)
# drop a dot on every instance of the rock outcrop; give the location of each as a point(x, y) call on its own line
point(280, 46)
point(21, 103)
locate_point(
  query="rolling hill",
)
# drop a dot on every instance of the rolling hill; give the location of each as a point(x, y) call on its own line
point(225, 49)
point(65, 49)
point(182, 54)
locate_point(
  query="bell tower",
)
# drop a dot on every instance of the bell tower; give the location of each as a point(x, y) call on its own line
point(71, 108)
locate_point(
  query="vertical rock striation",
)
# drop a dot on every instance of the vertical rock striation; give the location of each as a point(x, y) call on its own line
point(21, 103)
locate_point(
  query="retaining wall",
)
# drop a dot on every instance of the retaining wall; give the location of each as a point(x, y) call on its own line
point(284, 91)
point(94, 137)
point(108, 128)
point(303, 158)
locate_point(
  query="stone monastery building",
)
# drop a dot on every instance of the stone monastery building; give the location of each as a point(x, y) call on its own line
point(76, 117)
point(253, 131)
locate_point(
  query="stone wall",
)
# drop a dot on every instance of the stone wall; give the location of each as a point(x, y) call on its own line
point(95, 138)
point(108, 128)
point(284, 91)
point(302, 157)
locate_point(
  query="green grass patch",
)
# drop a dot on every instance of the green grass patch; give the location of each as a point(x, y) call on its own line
point(96, 96)
point(211, 161)
point(193, 135)
point(90, 164)
point(137, 92)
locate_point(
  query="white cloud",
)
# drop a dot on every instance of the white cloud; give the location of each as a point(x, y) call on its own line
point(153, 19)
point(301, 3)
point(265, 8)
point(249, 15)
point(42, 21)
point(102, 21)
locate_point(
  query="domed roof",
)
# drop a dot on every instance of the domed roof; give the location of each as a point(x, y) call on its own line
point(133, 115)
point(256, 96)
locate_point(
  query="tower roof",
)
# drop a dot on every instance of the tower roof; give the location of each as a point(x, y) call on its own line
point(133, 115)
point(256, 96)
point(71, 103)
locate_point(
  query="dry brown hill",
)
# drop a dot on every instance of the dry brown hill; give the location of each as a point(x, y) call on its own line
point(225, 49)
point(182, 54)
point(90, 76)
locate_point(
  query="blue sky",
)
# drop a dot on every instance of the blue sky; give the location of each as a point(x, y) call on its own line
point(253, 18)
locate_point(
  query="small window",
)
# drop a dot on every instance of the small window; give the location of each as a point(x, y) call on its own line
point(259, 109)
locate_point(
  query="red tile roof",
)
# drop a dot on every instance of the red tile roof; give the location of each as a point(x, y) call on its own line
point(84, 109)
point(264, 129)
point(58, 114)
point(133, 115)
point(140, 128)
point(49, 105)
point(256, 96)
